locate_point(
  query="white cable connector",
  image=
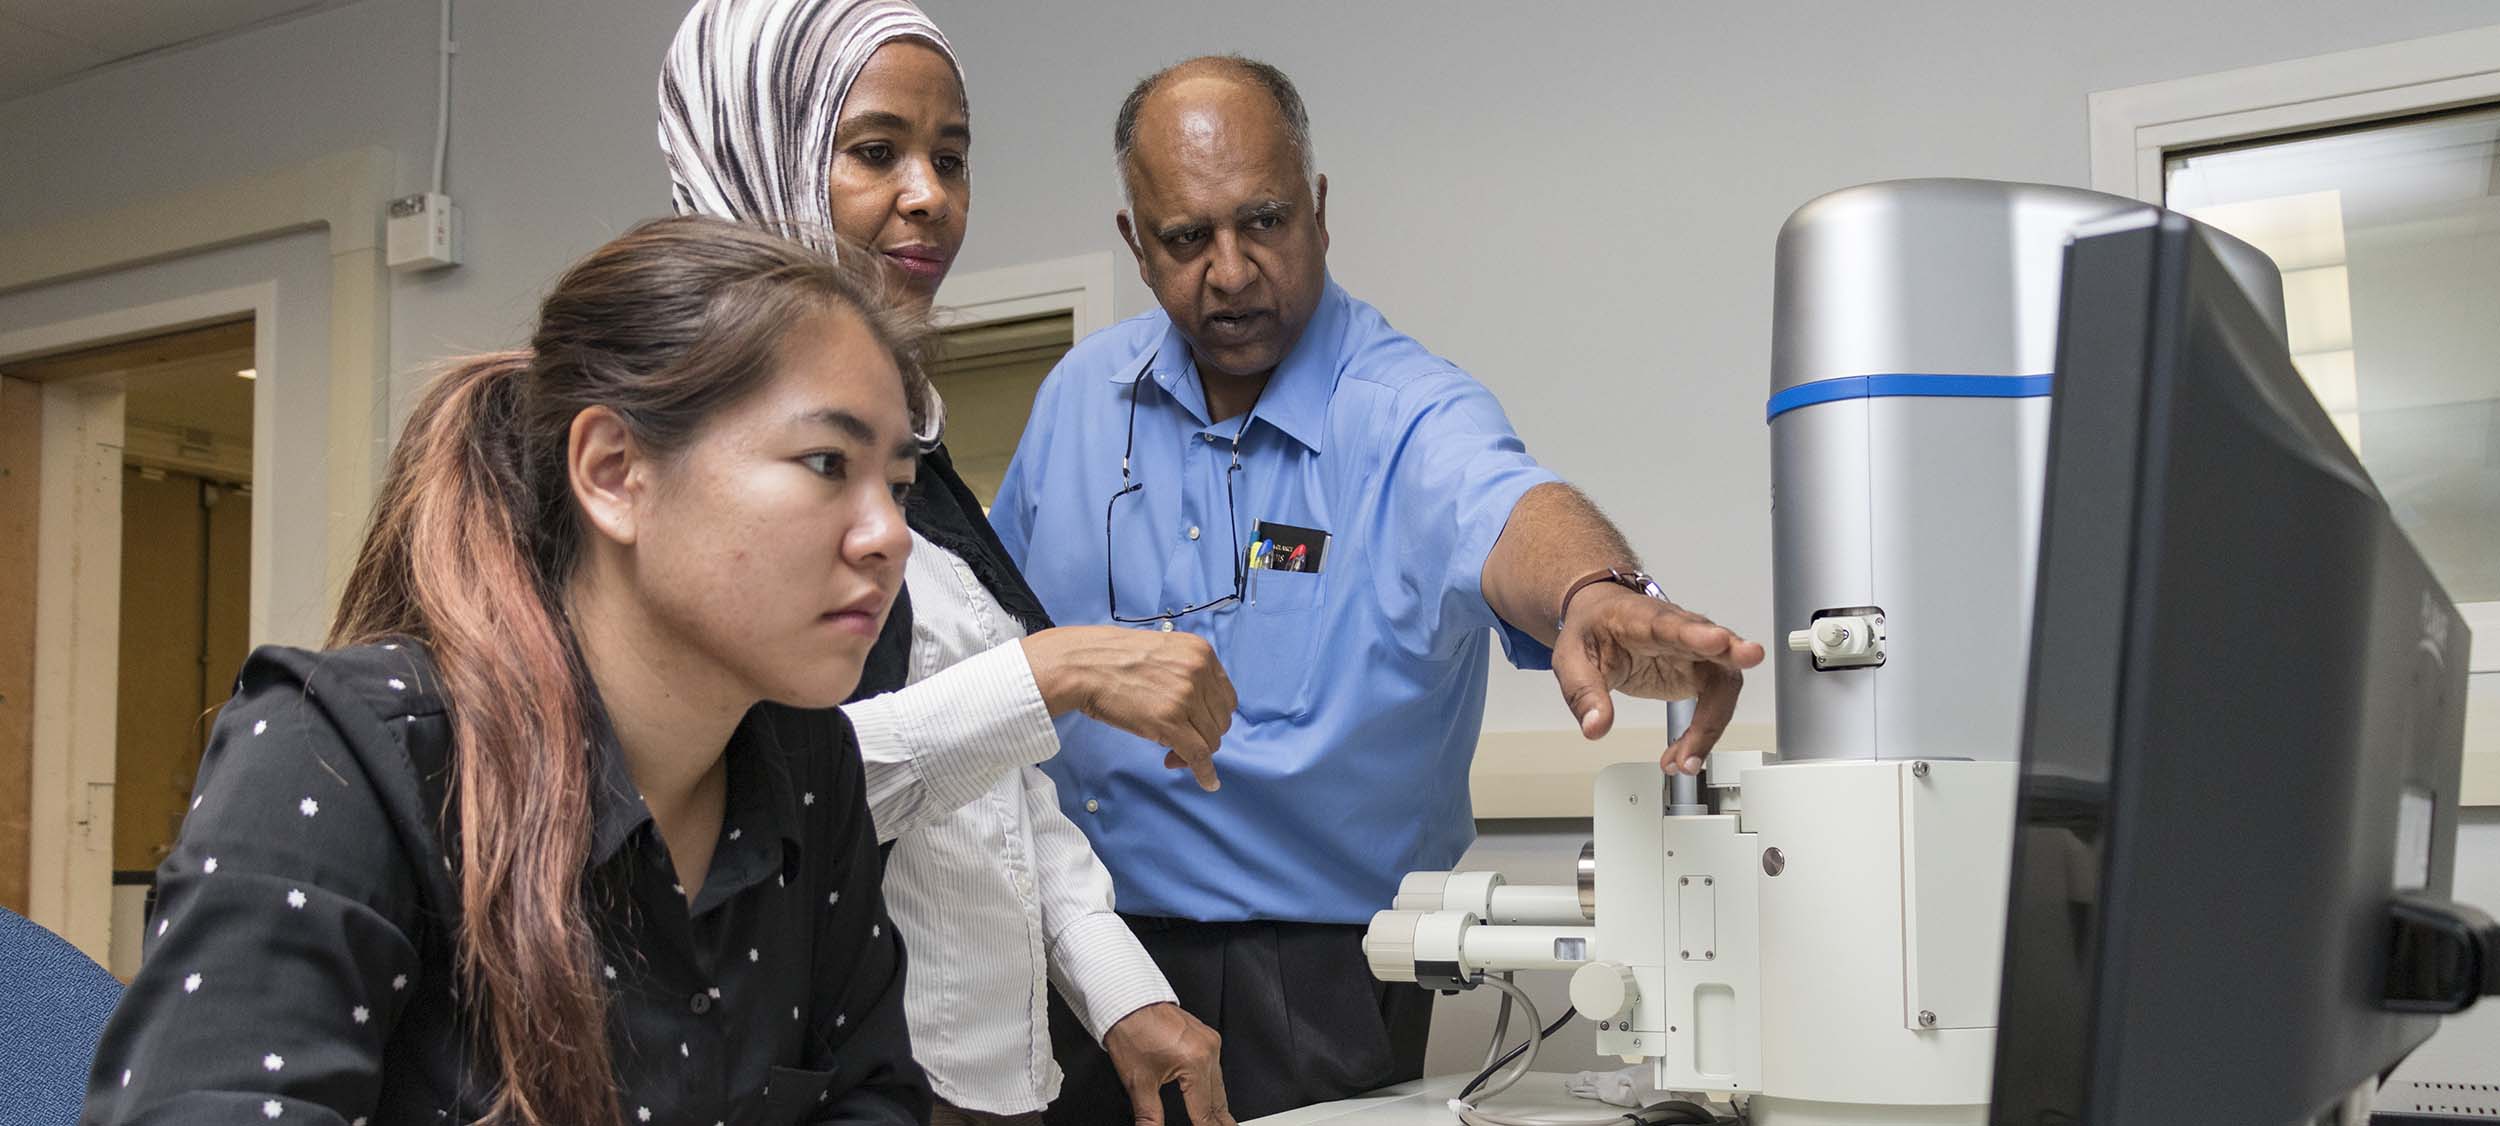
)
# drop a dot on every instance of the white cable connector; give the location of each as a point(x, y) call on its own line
point(1842, 641)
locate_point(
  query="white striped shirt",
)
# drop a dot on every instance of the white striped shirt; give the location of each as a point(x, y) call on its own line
point(997, 894)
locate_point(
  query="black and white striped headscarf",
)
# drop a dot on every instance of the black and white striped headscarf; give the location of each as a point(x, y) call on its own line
point(749, 95)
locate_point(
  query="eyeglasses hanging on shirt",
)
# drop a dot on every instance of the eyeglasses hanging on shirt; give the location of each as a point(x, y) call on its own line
point(1232, 522)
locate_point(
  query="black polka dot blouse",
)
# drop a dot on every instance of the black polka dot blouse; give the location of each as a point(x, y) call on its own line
point(299, 962)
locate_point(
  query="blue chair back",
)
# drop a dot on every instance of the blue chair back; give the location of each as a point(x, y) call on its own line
point(54, 1001)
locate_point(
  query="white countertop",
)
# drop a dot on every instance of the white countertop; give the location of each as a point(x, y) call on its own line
point(1424, 1102)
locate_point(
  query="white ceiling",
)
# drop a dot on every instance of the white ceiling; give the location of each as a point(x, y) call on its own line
point(44, 43)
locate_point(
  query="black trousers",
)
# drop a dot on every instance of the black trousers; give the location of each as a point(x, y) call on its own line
point(1302, 1018)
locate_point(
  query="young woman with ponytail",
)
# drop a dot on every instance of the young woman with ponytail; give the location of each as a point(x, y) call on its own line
point(525, 844)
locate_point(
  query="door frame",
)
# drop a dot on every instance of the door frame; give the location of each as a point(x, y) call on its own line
point(2135, 127)
point(344, 197)
point(2134, 130)
point(1079, 285)
point(258, 302)
point(77, 664)
point(72, 749)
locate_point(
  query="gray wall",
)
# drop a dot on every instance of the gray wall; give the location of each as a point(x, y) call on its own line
point(1578, 209)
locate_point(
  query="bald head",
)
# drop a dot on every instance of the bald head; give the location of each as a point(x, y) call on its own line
point(1229, 89)
point(1226, 219)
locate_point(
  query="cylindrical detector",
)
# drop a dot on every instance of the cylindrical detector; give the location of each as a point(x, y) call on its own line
point(1491, 949)
point(1533, 904)
point(1914, 333)
point(1486, 896)
point(1449, 947)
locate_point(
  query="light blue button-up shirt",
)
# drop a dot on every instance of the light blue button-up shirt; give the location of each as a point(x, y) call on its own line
point(1361, 686)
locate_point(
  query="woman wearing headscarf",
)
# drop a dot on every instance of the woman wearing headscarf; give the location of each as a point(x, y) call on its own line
point(847, 118)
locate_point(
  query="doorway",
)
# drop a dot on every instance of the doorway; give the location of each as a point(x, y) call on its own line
point(988, 373)
point(158, 452)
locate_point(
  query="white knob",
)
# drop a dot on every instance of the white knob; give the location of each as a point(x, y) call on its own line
point(1842, 641)
point(1604, 990)
point(1389, 945)
point(1421, 891)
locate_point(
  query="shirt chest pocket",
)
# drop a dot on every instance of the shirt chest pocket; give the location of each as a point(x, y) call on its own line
point(1273, 653)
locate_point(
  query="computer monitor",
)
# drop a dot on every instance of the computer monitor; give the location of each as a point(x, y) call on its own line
point(2242, 731)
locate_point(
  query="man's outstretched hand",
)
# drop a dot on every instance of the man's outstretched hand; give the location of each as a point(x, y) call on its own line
point(1617, 640)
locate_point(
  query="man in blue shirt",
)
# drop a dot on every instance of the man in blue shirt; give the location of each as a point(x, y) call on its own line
point(1347, 519)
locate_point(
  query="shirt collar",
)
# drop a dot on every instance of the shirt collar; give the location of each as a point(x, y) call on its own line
point(1296, 399)
point(616, 807)
point(759, 799)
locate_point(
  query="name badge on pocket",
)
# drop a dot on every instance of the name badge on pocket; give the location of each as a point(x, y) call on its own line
point(1284, 547)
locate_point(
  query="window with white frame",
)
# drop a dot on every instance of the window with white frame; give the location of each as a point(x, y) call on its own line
point(2388, 236)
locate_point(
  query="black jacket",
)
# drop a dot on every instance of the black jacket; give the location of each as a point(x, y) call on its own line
point(299, 964)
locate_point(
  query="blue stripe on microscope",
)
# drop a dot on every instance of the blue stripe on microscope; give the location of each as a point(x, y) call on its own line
point(1922, 386)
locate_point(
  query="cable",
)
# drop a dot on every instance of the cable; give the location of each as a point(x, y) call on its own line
point(442, 96)
point(1501, 1025)
point(1502, 1081)
point(1470, 1089)
point(1503, 1073)
point(1525, 1054)
point(1662, 1114)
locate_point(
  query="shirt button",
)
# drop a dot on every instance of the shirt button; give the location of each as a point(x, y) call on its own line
point(1165, 625)
point(1193, 531)
point(1092, 806)
point(701, 1003)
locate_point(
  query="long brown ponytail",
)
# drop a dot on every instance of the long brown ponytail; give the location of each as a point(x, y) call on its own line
point(472, 540)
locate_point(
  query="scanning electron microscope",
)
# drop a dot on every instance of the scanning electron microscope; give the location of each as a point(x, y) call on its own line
point(1820, 932)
